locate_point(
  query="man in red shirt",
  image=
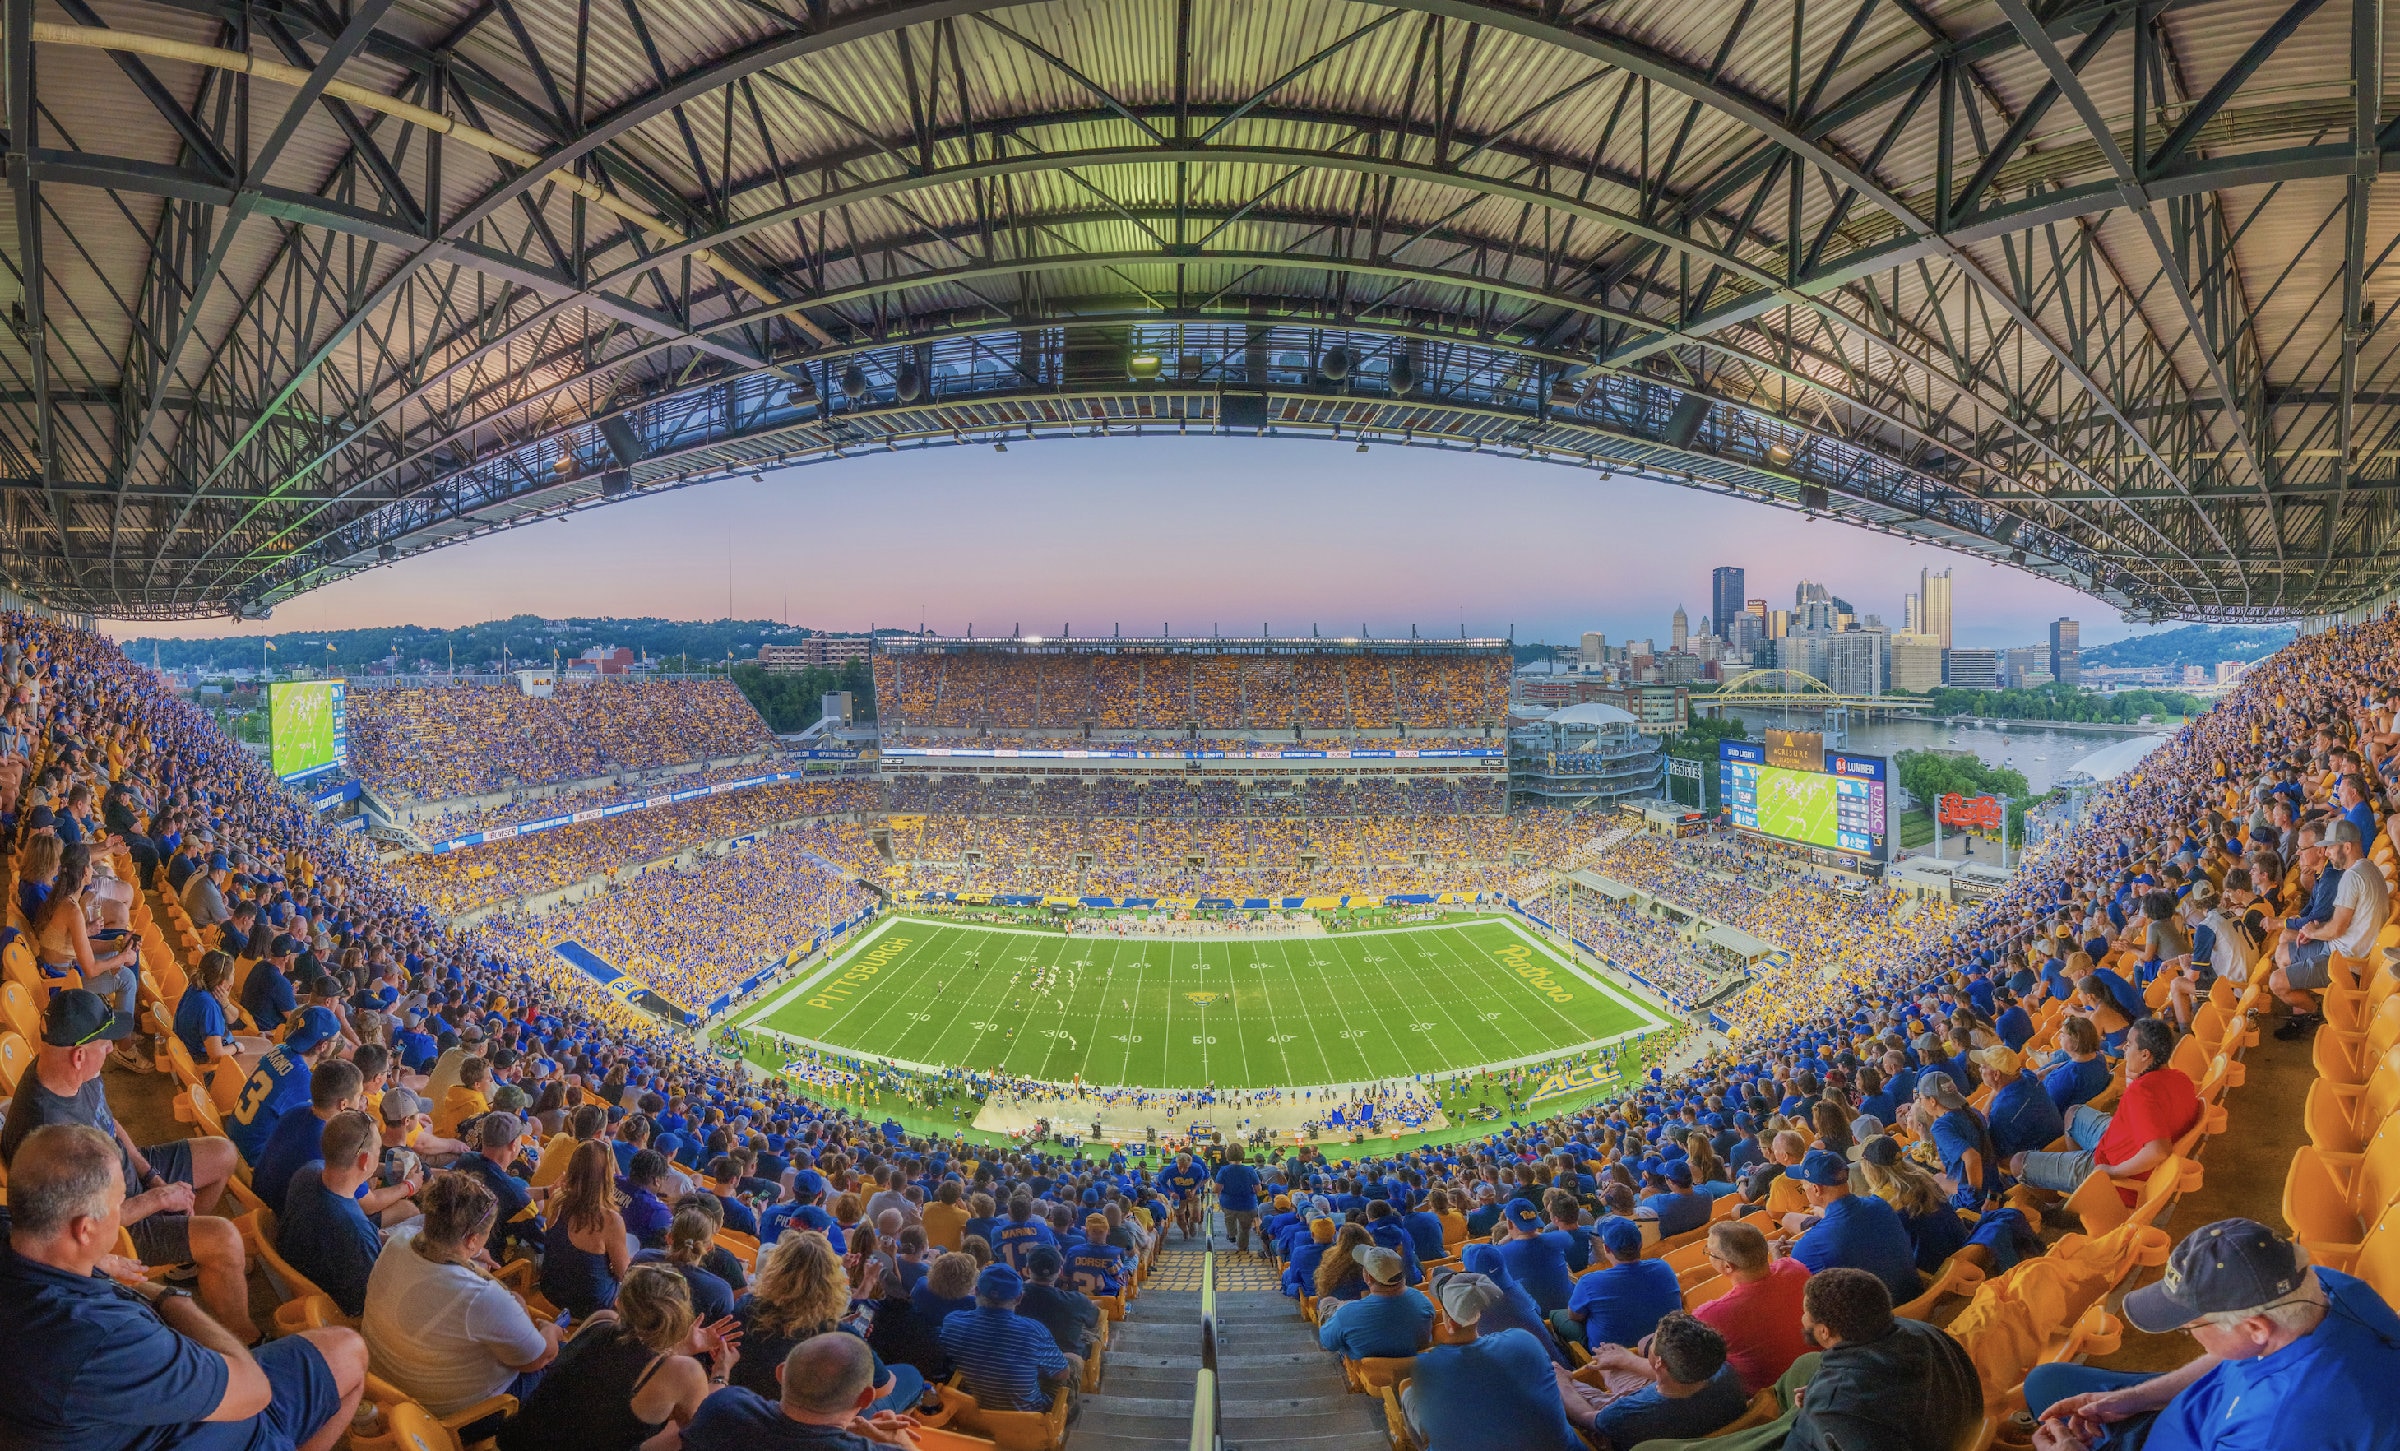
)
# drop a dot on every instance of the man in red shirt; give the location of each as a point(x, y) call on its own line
point(2159, 1106)
point(1759, 1316)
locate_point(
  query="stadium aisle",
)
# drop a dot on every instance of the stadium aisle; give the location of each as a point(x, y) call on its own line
point(1275, 1387)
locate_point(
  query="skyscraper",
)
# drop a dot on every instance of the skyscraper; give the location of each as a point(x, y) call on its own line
point(2066, 651)
point(1933, 605)
point(1725, 585)
point(1682, 629)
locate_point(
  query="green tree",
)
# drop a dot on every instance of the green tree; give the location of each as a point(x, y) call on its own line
point(1697, 741)
point(793, 702)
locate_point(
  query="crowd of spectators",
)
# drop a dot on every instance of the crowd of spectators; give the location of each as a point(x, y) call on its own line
point(2288, 761)
point(695, 932)
point(1123, 838)
point(436, 742)
point(1228, 690)
point(457, 820)
point(499, 871)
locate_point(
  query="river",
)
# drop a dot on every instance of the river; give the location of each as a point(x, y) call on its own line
point(2041, 753)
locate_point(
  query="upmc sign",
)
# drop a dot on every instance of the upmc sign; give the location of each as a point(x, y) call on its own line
point(1982, 811)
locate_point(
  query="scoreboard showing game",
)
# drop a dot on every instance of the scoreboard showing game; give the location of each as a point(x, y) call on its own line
point(1841, 807)
point(308, 730)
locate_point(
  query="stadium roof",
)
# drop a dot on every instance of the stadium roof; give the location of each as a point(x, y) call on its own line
point(1591, 712)
point(2115, 759)
point(2097, 290)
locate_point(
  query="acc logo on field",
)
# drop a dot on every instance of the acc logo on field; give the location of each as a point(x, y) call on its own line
point(1203, 999)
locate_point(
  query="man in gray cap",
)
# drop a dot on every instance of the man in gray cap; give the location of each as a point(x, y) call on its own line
point(2290, 1354)
point(204, 894)
point(1390, 1319)
point(1458, 1393)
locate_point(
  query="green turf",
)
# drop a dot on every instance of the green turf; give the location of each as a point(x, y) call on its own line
point(1237, 1012)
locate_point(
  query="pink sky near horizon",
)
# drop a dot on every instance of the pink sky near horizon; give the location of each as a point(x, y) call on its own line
point(1196, 533)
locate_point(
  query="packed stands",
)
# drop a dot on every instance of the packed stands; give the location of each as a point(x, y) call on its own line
point(1122, 836)
point(948, 685)
point(460, 881)
point(452, 821)
point(430, 744)
point(693, 932)
point(1753, 1132)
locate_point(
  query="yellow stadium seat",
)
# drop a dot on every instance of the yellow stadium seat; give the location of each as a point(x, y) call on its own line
point(1371, 1374)
point(1008, 1430)
point(2348, 1058)
point(2341, 1117)
point(15, 1057)
point(2378, 1261)
point(1699, 1292)
point(1959, 1275)
point(2330, 1199)
point(17, 1011)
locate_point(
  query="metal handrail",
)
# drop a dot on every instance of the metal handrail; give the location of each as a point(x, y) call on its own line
point(1206, 1413)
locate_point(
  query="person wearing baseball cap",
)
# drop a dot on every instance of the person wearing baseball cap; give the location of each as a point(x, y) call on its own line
point(1537, 1257)
point(1389, 1319)
point(1007, 1361)
point(1496, 1388)
point(2020, 1114)
point(171, 1189)
point(1622, 1301)
point(279, 1084)
point(2291, 1354)
point(2355, 918)
point(1854, 1230)
point(1962, 1138)
point(267, 993)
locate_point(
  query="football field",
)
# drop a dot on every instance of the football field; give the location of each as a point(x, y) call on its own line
point(1797, 804)
point(1236, 1012)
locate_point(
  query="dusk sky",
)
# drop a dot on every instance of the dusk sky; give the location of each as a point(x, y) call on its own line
point(1194, 533)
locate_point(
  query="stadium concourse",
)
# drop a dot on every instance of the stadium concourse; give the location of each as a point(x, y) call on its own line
point(423, 1183)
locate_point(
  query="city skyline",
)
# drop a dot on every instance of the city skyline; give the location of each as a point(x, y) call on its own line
point(1202, 534)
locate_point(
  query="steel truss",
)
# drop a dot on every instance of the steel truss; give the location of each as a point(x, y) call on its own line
point(2091, 292)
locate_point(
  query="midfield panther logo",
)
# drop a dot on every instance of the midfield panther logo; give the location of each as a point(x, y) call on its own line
point(1203, 999)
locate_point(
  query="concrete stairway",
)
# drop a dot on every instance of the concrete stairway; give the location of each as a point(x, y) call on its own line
point(1276, 1389)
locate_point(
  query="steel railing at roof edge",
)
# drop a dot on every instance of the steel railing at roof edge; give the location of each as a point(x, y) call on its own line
point(1206, 1430)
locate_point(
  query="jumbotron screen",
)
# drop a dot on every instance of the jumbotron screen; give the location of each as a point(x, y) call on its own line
point(307, 728)
point(1841, 808)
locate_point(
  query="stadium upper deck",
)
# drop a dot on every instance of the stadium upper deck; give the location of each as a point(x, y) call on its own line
point(438, 743)
point(1108, 686)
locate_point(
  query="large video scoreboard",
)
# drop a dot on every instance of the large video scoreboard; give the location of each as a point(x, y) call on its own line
point(1844, 806)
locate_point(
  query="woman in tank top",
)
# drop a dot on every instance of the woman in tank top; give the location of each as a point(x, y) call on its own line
point(585, 1252)
point(627, 1372)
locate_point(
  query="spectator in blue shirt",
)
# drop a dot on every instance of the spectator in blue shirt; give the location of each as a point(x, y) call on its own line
point(1300, 1276)
point(279, 1085)
point(325, 1229)
point(2081, 1074)
point(1622, 1303)
point(94, 1362)
point(1237, 1195)
point(1020, 1232)
point(1007, 1362)
point(1424, 1227)
point(267, 992)
point(1070, 1316)
point(1960, 1135)
point(2290, 1354)
point(1536, 1257)
point(1853, 1230)
point(1496, 1392)
point(827, 1386)
point(2014, 1024)
point(2021, 1115)
point(1679, 1210)
point(1693, 1390)
point(1390, 1319)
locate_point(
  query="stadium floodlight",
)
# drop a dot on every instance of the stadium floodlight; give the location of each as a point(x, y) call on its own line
point(1362, 445)
point(565, 464)
point(1334, 366)
point(1144, 366)
point(999, 445)
point(1779, 455)
point(908, 385)
point(854, 382)
point(1402, 375)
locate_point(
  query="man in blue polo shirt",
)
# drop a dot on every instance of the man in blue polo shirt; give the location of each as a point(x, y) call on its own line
point(279, 1084)
point(2021, 1115)
point(1008, 1361)
point(1854, 1230)
point(101, 1362)
point(1390, 1319)
point(2291, 1355)
point(1622, 1303)
point(1536, 1256)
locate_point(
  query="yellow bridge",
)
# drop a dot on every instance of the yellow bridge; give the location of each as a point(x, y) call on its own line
point(1798, 690)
